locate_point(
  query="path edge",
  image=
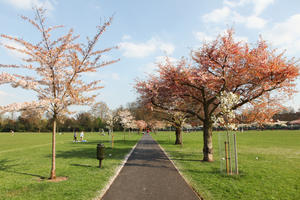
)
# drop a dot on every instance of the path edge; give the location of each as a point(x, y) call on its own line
point(117, 172)
point(184, 178)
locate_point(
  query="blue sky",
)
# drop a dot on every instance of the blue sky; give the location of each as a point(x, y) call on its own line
point(148, 30)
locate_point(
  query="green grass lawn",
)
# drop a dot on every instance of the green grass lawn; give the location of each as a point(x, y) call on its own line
point(25, 163)
point(275, 174)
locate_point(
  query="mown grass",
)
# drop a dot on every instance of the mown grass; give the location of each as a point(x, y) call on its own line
point(269, 164)
point(25, 163)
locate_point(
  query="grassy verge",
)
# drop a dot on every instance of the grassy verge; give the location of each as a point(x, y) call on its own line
point(25, 162)
point(269, 163)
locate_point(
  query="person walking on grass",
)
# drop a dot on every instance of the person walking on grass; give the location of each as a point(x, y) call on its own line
point(75, 137)
point(81, 136)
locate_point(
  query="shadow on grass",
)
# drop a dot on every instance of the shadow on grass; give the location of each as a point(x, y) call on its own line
point(27, 174)
point(215, 171)
point(4, 164)
point(106, 142)
point(187, 160)
point(88, 150)
point(7, 168)
point(88, 166)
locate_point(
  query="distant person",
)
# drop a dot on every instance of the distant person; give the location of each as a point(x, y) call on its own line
point(148, 131)
point(12, 132)
point(75, 136)
point(81, 136)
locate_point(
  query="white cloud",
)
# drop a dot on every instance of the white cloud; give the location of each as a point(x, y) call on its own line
point(201, 36)
point(258, 5)
point(285, 35)
point(229, 13)
point(150, 68)
point(28, 4)
point(217, 15)
point(255, 22)
point(141, 50)
point(261, 5)
point(166, 48)
point(162, 59)
point(252, 21)
point(231, 3)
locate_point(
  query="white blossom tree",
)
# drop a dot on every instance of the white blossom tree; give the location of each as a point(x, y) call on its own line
point(226, 115)
point(57, 65)
point(110, 119)
point(126, 119)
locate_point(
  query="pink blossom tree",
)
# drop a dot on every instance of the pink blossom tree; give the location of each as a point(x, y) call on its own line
point(157, 95)
point(141, 125)
point(58, 65)
point(222, 65)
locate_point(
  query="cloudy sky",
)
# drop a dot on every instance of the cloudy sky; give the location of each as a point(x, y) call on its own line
point(148, 30)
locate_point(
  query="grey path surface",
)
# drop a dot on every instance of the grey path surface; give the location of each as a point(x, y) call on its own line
point(149, 174)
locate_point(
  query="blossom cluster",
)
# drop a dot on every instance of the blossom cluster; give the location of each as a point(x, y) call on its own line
point(227, 101)
point(126, 119)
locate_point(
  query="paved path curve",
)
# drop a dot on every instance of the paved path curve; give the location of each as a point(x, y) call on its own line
point(149, 174)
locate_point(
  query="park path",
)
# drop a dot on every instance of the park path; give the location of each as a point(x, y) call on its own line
point(149, 174)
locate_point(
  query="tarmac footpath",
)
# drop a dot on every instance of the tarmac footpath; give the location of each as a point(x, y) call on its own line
point(149, 174)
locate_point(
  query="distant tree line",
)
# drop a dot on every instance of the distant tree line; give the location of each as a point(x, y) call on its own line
point(83, 121)
point(93, 120)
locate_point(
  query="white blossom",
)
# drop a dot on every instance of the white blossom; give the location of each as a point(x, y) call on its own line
point(227, 102)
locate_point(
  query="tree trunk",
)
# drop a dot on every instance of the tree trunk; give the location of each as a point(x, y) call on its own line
point(208, 144)
point(178, 136)
point(53, 171)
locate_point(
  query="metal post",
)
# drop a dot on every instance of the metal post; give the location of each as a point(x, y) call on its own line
point(229, 153)
point(236, 156)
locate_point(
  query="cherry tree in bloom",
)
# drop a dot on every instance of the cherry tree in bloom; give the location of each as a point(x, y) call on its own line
point(126, 119)
point(158, 124)
point(176, 119)
point(221, 65)
point(157, 95)
point(260, 112)
point(110, 119)
point(141, 125)
point(58, 65)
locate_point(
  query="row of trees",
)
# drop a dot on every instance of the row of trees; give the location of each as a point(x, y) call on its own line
point(35, 123)
point(98, 118)
point(191, 88)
